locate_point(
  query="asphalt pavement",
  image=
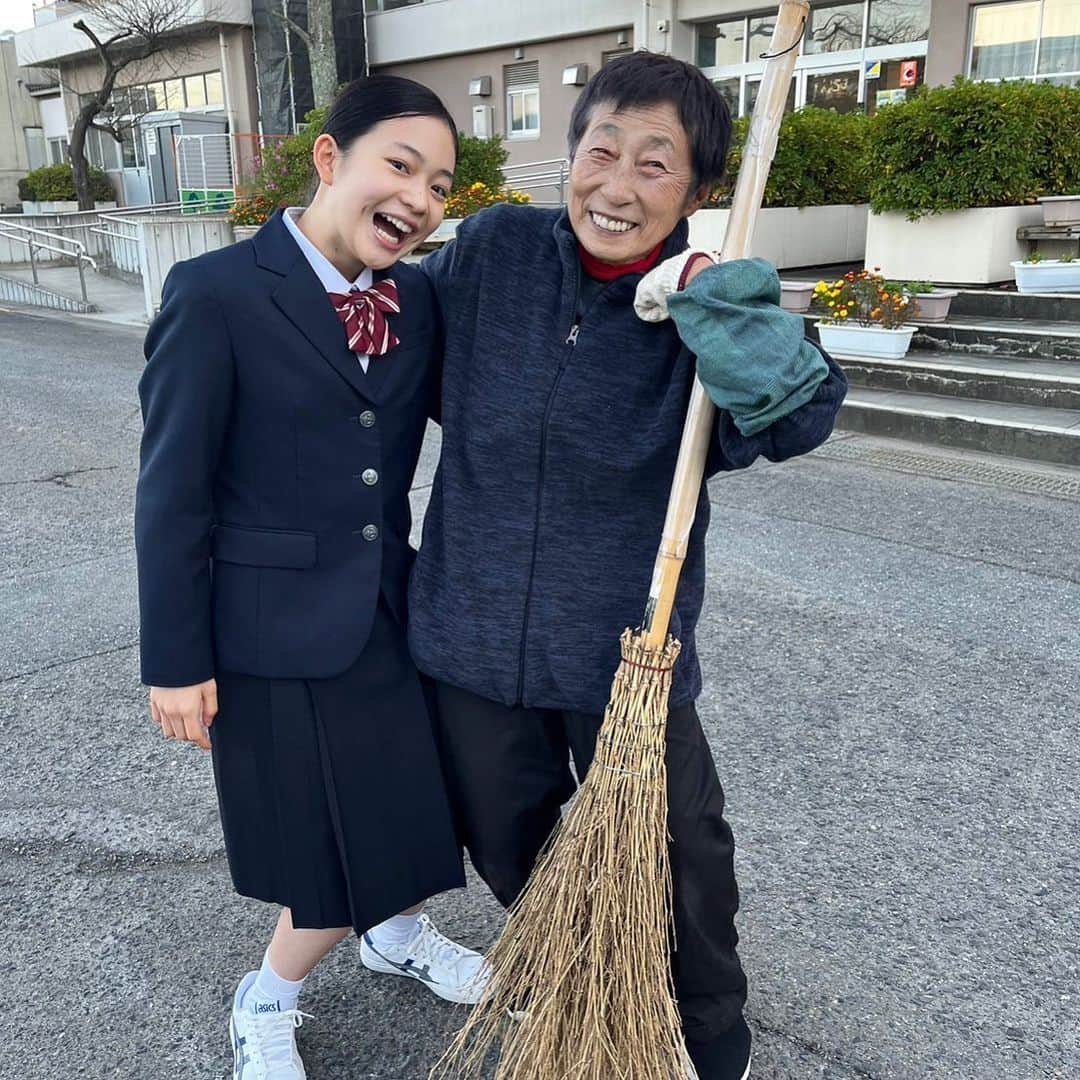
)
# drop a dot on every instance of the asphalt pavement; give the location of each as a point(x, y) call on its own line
point(892, 663)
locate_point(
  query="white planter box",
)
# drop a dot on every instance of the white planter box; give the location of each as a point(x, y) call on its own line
point(796, 295)
point(962, 247)
point(1051, 276)
point(791, 236)
point(244, 232)
point(934, 307)
point(60, 207)
point(859, 342)
point(1061, 209)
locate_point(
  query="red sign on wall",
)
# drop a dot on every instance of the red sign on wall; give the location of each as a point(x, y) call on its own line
point(909, 72)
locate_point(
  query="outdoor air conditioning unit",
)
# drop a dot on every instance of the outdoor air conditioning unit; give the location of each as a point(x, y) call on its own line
point(483, 121)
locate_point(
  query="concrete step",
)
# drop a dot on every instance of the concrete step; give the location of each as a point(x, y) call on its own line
point(1026, 431)
point(995, 336)
point(1005, 304)
point(1035, 339)
point(1048, 383)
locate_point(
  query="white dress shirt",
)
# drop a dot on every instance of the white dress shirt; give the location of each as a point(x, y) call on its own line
point(328, 274)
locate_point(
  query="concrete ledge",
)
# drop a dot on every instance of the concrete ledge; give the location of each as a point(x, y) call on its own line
point(965, 247)
point(793, 236)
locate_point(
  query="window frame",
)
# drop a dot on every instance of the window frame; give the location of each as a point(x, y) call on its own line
point(513, 92)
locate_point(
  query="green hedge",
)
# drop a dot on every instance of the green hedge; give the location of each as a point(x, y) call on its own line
point(820, 160)
point(974, 144)
point(55, 183)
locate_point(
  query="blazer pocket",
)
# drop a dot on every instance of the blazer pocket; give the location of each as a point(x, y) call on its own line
point(264, 547)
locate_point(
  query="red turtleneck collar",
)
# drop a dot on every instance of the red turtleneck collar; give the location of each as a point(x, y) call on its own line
point(602, 271)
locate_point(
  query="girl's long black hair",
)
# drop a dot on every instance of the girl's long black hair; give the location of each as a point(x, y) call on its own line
point(368, 101)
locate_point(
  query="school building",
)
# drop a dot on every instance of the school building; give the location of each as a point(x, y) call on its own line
point(234, 70)
point(513, 68)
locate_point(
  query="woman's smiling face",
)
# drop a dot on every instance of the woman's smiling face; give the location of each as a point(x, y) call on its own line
point(630, 181)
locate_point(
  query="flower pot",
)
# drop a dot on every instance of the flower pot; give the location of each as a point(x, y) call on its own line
point(796, 295)
point(858, 342)
point(1050, 276)
point(1061, 209)
point(934, 306)
point(244, 232)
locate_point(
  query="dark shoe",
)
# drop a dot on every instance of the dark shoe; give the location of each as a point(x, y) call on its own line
point(727, 1057)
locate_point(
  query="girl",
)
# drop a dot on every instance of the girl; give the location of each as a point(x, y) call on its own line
point(288, 385)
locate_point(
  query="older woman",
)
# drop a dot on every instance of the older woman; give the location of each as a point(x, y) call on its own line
point(562, 414)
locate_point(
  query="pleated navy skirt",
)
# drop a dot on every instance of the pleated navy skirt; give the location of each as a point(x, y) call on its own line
point(331, 792)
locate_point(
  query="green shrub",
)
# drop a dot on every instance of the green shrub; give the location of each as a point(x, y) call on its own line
point(820, 160)
point(973, 145)
point(55, 183)
point(480, 161)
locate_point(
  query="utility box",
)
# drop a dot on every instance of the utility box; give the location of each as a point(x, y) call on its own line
point(483, 121)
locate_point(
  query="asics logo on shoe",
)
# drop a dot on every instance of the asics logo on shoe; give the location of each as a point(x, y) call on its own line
point(267, 1007)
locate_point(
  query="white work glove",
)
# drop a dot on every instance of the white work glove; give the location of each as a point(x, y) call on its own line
point(650, 300)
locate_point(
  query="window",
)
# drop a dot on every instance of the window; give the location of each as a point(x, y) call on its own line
point(1027, 40)
point(195, 91)
point(836, 90)
point(876, 31)
point(36, 151)
point(893, 22)
point(58, 151)
point(214, 92)
point(835, 28)
point(1003, 41)
point(523, 100)
point(753, 86)
point(174, 94)
point(760, 35)
point(729, 91)
point(887, 87)
point(1059, 49)
point(721, 43)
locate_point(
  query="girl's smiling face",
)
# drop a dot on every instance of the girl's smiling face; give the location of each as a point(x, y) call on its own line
point(383, 195)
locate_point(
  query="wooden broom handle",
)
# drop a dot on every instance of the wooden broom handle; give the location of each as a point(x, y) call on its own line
point(745, 204)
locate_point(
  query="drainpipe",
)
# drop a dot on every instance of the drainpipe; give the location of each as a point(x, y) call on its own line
point(230, 118)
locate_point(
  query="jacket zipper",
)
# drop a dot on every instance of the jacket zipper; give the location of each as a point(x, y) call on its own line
point(570, 342)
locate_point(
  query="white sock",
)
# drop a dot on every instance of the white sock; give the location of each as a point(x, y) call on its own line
point(271, 991)
point(397, 930)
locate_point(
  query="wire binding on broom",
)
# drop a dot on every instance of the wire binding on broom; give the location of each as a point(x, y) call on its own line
point(576, 952)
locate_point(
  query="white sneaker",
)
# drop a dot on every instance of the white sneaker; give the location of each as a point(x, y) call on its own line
point(264, 1039)
point(449, 970)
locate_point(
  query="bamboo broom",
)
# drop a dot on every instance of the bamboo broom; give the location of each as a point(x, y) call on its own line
point(581, 984)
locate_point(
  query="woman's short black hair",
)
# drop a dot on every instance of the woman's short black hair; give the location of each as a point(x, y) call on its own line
point(368, 101)
point(643, 79)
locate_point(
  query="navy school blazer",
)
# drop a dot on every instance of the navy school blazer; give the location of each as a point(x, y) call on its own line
point(272, 504)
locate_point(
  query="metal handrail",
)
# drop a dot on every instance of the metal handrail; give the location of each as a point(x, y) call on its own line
point(554, 172)
point(13, 231)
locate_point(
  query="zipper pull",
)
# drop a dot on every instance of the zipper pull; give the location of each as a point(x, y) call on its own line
point(572, 336)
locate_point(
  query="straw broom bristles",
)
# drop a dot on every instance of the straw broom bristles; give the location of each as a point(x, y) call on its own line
point(590, 937)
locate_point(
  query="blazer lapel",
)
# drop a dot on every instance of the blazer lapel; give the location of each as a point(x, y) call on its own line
point(302, 299)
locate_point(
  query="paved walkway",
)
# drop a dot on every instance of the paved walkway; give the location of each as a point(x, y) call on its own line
point(892, 669)
point(117, 301)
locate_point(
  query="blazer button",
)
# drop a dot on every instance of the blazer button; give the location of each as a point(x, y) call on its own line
point(367, 418)
point(370, 477)
point(370, 533)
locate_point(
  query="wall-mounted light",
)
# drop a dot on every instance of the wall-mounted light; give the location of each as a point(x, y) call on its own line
point(623, 38)
point(575, 75)
point(480, 87)
point(519, 53)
